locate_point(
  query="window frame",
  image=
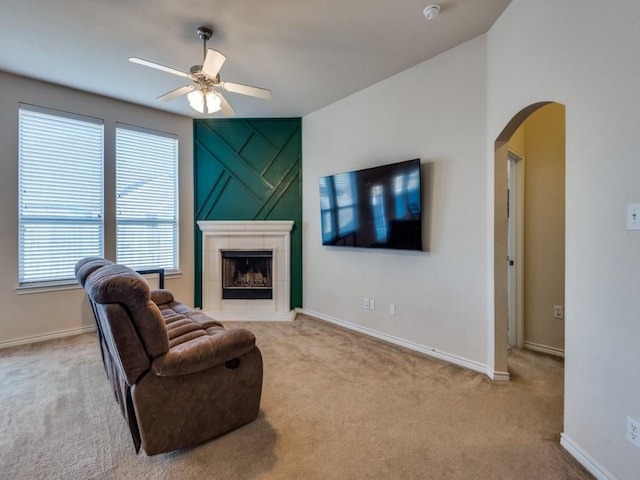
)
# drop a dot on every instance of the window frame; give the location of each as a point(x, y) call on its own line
point(174, 222)
point(30, 117)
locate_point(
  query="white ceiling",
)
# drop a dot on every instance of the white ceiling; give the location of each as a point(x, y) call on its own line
point(310, 53)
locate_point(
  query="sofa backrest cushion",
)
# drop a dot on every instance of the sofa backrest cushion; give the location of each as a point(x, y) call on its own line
point(119, 284)
point(87, 266)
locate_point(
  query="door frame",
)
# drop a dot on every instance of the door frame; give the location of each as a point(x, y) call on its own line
point(515, 248)
point(500, 367)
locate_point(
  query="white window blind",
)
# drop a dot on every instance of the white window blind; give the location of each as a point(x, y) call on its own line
point(60, 165)
point(146, 198)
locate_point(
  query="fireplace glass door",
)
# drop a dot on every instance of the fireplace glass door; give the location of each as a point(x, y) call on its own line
point(247, 274)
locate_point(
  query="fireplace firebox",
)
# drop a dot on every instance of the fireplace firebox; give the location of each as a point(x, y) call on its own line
point(247, 274)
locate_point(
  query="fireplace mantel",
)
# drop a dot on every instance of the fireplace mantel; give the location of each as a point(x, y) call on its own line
point(240, 227)
point(273, 235)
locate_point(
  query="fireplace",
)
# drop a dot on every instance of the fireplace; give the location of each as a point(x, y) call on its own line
point(255, 293)
point(247, 274)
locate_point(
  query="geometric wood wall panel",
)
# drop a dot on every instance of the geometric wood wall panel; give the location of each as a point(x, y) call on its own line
point(249, 169)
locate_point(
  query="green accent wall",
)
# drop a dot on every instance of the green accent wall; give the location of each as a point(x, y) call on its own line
point(249, 169)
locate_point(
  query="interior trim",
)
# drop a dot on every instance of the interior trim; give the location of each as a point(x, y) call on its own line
point(47, 336)
point(498, 376)
point(432, 352)
point(536, 347)
point(584, 458)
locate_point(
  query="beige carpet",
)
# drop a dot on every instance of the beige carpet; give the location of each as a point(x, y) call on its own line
point(336, 405)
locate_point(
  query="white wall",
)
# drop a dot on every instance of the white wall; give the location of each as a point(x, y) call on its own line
point(33, 316)
point(586, 57)
point(434, 111)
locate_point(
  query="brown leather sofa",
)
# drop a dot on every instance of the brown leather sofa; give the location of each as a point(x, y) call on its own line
point(179, 376)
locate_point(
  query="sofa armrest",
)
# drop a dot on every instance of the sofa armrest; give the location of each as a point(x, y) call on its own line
point(204, 352)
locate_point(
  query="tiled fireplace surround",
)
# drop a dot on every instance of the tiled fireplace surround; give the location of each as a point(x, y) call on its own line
point(270, 235)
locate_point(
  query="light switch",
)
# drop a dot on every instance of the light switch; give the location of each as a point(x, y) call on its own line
point(633, 216)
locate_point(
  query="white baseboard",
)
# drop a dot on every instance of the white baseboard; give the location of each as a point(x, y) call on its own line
point(47, 336)
point(585, 459)
point(558, 352)
point(447, 357)
point(498, 376)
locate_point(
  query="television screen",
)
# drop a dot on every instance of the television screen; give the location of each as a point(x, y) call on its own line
point(379, 207)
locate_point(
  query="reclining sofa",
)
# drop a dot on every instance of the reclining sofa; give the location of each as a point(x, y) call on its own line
point(179, 376)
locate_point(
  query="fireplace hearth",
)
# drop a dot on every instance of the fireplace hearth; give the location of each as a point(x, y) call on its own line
point(247, 274)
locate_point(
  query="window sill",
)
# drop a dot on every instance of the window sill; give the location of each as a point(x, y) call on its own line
point(45, 287)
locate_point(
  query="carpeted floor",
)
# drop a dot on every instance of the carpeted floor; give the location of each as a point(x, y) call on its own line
point(335, 405)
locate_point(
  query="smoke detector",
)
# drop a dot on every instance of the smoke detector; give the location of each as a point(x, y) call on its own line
point(431, 11)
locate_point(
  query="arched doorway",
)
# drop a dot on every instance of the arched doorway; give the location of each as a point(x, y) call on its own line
point(543, 303)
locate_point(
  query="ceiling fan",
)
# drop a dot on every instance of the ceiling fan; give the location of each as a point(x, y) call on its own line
point(204, 95)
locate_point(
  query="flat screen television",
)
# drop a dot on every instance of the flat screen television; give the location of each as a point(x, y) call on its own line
point(378, 207)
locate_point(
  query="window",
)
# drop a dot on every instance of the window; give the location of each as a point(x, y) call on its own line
point(60, 207)
point(146, 198)
point(61, 196)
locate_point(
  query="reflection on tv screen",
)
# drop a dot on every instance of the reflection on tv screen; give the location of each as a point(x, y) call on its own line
point(379, 207)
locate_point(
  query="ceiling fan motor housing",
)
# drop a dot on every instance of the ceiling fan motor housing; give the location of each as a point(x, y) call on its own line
point(196, 70)
point(202, 78)
point(204, 33)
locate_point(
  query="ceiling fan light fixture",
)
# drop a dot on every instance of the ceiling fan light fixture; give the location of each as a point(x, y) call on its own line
point(212, 99)
point(196, 100)
point(203, 99)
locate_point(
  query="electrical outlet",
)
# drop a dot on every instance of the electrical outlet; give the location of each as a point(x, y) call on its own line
point(392, 309)
point(558, 311)
point(633, 431)
point(367, 304)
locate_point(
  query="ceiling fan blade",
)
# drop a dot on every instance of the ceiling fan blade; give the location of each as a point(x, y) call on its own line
point(157, 66)
point(176, 93)
point(213, 62)
point(246, 90)
point(227, 109)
